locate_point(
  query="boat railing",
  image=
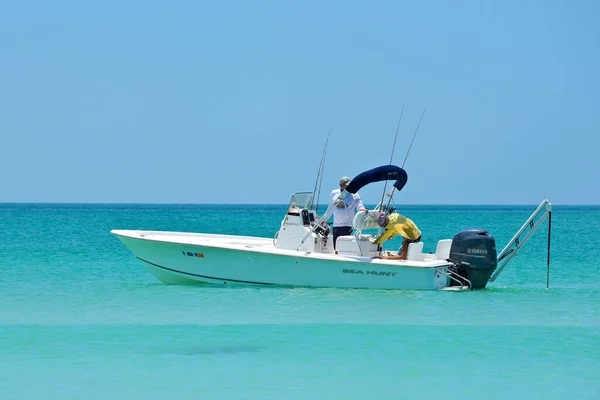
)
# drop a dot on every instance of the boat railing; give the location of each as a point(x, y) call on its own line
point(461, 280)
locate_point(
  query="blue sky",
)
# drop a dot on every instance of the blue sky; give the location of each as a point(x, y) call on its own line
point(231, 102)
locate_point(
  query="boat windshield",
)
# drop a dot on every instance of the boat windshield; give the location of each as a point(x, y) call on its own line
point(300, 201)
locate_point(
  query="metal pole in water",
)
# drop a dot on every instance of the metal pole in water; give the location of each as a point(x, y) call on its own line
point(548, 267)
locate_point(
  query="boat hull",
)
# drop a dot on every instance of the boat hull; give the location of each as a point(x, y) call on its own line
point(229, 260)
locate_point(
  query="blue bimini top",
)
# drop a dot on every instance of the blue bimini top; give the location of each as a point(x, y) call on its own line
point(383, 173)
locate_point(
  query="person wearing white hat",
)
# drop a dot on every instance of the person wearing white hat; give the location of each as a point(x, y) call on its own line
point(343, 214)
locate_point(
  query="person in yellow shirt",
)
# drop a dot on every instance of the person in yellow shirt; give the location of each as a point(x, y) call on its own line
point(398, 224)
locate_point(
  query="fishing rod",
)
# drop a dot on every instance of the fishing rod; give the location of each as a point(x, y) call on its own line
point(396, 137)
point(393, 148)
point(413, 139)
point(391, 192)
point(320, 173)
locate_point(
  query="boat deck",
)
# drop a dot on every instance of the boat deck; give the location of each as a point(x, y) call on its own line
point(266, 245)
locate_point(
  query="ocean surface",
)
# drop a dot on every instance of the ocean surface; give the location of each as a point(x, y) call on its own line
point(81, 318)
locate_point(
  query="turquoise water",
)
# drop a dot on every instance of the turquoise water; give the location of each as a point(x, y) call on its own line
point(81, 318)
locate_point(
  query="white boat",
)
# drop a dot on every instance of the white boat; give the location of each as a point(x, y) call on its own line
point(301, 254)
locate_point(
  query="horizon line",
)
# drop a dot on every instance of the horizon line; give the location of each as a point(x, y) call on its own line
point(270, 204)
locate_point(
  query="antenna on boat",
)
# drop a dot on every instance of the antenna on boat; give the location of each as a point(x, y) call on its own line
point(319, 180)
point(393, 148)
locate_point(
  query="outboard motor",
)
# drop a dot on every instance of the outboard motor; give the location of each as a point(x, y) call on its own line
point(473, 254)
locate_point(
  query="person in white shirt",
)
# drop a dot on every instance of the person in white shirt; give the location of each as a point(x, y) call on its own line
point(343, 214)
